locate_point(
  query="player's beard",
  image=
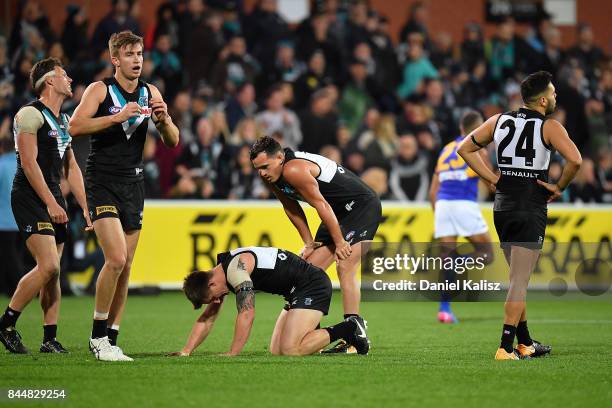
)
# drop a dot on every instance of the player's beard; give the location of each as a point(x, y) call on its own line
point(551, 106)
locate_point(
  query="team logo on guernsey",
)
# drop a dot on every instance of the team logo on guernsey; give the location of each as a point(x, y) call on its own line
point(349, 236)
point(130, 125)
point(114, 109)
point(44, 226)
point(58, 130)
point(106, 209)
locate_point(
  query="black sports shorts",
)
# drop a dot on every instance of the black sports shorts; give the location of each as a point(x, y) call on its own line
point(117, 200)
point(524, 228)
point(32, 217)
point(314, 293)
point(358, 225)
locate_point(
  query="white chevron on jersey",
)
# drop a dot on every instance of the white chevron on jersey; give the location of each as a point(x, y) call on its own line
point(265, 257)
point(328, 167)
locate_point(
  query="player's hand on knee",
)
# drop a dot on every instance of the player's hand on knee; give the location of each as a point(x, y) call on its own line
point(57, 213)
point(343, 251)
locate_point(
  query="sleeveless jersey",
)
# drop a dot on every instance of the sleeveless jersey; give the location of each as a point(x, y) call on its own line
point(522, 157)
point(276, 271)
point(53, 141)
point(340, 187)
point(116, 152)
point(457, 180)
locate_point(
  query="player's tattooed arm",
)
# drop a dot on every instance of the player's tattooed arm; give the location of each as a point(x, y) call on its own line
point(245, 296)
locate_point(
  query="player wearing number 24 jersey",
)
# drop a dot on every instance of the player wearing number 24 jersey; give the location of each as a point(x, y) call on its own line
point(524, 140)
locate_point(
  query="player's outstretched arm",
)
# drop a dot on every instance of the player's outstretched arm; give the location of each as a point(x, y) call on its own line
point(239, 271)
point(308, 188)
point(163, 122)
point(27, 122)
point(469, 149)
point(556, 136)
point(75, 181)
point(83, 123)
point(201, 329)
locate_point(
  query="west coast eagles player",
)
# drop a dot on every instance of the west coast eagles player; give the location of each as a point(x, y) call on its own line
point(115, 113)
point(524, 140)
point(43, 152)
point(453, 195)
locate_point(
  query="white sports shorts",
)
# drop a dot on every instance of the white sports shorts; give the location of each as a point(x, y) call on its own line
point(460, 218)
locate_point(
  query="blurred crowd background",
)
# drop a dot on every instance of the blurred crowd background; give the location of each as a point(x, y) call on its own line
point(334, 84)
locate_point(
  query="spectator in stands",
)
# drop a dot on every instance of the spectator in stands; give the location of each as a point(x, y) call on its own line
point(244, 182)
point(356, 98)
point(472, 47)
point(198, 165)
point(442, 113)
point(409, 177)
point(246, 131)
point(416, 23)
point(586, 187)
point(312, 80)
point(319, 123)
point(234, 67)
point(277, 118)
point(166, 65)
point(11, 253)
point(285, 69)
point(30, 17)
point(442, 53)
point(263, 29)
point(417, 67)
point(240, 105)
point(117, 20)
point(166, 24)
point(604, 173)
point(314, 36)
point(75, 38)
point(377, 179)
point(552, 55)
point(201, 40)
point(586, 52)
point(356, 31)
point(379, 146)
point(332, 153)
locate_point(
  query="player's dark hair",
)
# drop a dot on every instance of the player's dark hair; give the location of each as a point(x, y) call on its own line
point(195, 287)
point(264, 144)
point(470, 121)
point(534, 85)
point(41, 68)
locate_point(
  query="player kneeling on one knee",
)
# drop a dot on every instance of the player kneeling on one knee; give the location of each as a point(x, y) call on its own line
point(306, 288)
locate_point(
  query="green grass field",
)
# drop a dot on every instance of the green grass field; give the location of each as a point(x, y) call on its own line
point(414, 360)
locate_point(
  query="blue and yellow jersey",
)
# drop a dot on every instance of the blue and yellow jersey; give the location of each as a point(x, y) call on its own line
point(457, 180)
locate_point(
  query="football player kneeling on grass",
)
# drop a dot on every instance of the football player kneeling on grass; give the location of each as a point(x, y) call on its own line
point(306, 288)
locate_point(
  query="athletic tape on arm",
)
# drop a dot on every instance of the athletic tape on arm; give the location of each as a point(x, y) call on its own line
point(28, 120)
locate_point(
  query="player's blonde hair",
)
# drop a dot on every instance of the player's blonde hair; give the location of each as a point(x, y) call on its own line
point(123, 39)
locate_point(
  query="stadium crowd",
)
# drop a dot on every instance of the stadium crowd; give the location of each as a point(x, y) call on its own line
point(335, 84)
